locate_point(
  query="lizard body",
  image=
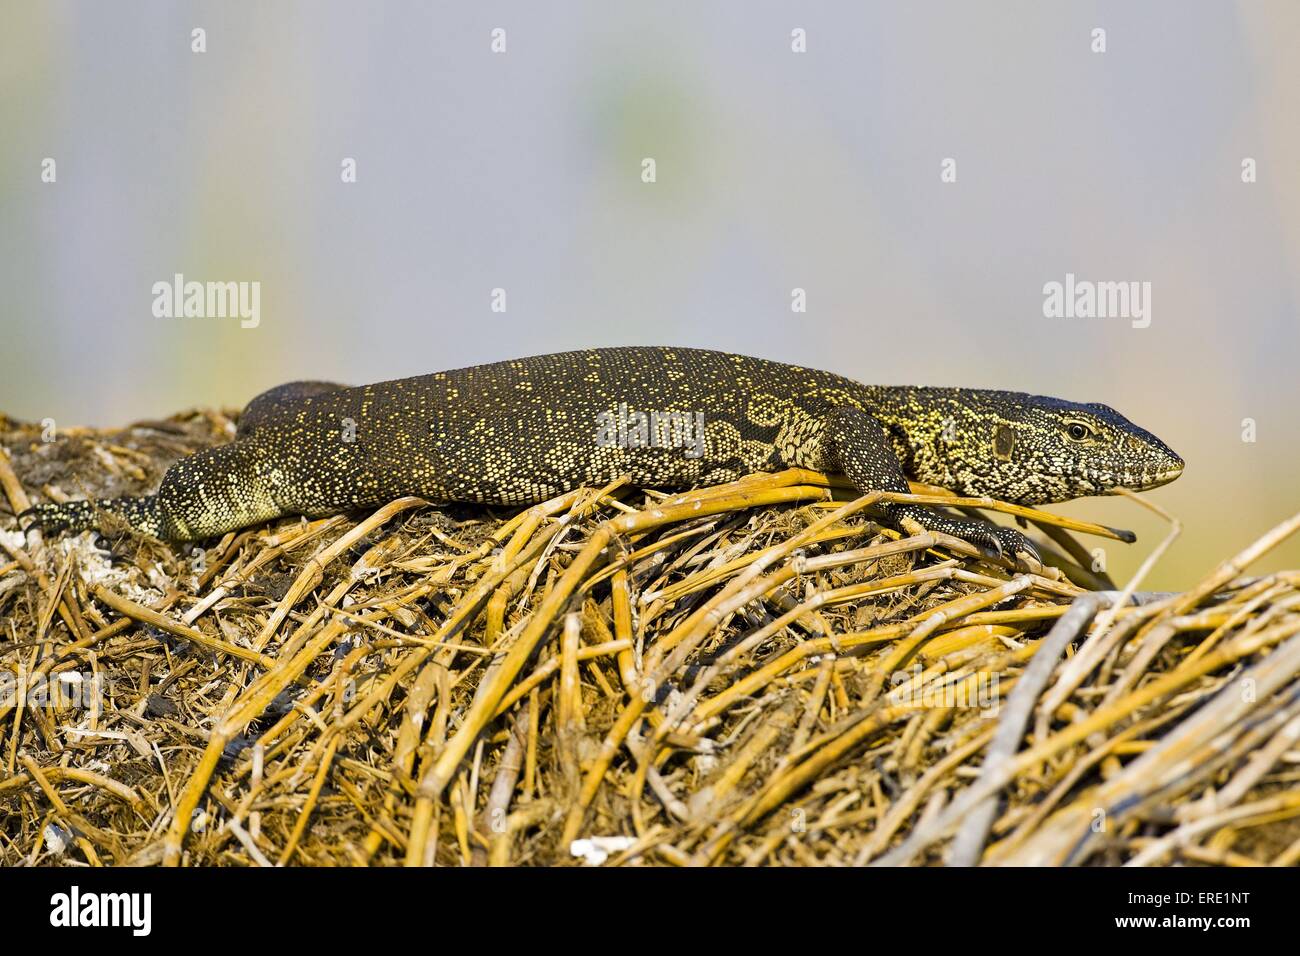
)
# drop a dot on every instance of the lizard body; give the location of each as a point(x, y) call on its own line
point(522, 431)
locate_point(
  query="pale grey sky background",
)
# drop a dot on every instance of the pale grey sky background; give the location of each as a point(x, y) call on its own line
point(775, 170)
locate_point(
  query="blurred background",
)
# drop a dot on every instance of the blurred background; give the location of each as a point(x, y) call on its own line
point(776, 170)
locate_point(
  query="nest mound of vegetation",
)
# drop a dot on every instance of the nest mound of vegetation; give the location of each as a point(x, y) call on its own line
point(757, 673)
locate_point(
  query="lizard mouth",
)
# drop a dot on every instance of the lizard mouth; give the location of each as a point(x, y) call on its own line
point(1139, 481)
point(1154, 479)
point(1169, 473)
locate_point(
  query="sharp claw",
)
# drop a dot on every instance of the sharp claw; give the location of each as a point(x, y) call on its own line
point(29, 513)
point(1026, 553)
point(43, 517)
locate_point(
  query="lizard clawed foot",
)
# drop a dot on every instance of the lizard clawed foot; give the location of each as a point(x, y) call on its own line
point(1007, 543)
point(103, 514)
point(1004, 543)
point(46, 518)
point(56, 517)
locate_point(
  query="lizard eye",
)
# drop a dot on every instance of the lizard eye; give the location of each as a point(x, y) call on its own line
point(1078, 431)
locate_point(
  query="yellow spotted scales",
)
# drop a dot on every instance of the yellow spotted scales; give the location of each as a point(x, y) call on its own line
point(522, 431)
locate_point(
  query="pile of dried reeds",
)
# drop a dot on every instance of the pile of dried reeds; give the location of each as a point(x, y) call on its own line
point(755, 673)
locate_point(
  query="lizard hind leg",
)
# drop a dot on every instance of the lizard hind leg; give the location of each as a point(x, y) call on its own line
point(141, 514)
point(858, 446)
point(217, 490)
point(182, 510)
point(207, 494)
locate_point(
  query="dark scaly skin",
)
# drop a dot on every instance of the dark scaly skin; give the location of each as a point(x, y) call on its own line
point(522, 431)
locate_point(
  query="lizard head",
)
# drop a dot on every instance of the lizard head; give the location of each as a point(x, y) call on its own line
point(1033, 449)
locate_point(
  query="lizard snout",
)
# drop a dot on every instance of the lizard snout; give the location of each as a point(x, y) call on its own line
point(1169, 468)
point(1145, 461)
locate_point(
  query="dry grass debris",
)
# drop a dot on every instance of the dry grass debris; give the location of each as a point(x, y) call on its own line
point(752, 674)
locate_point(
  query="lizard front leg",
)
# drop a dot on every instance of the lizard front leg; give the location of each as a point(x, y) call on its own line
point(857, 445)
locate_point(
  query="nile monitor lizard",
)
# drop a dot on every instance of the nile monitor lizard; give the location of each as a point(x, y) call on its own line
point(526, 430)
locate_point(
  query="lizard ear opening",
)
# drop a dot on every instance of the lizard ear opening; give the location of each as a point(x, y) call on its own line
point(1004, 440)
